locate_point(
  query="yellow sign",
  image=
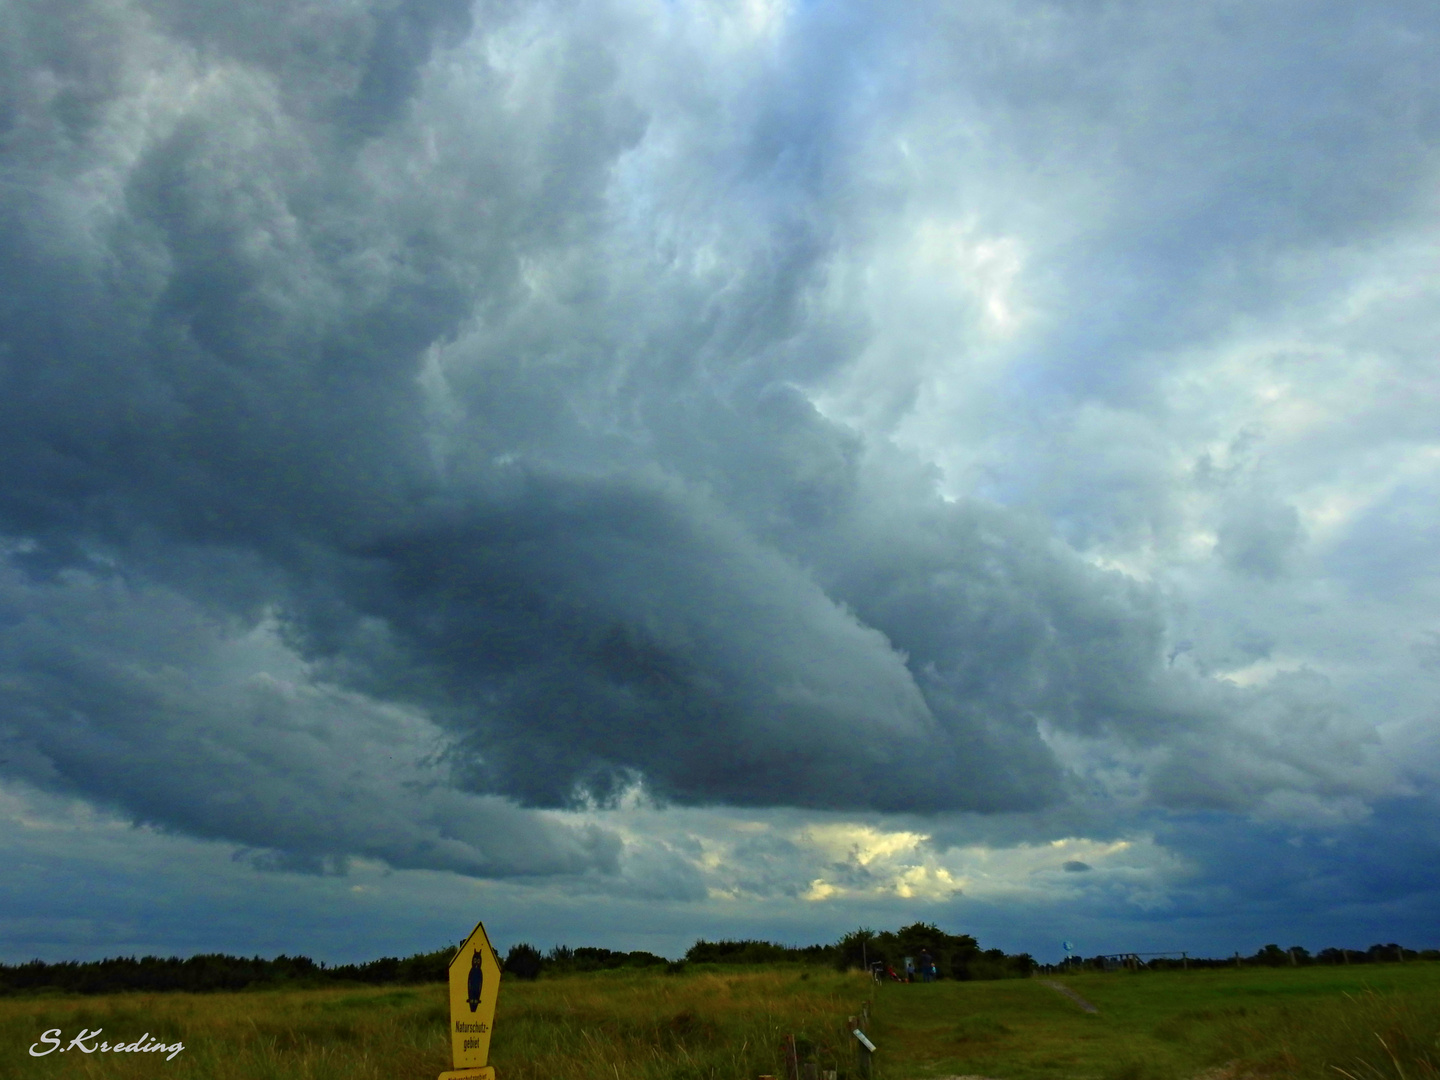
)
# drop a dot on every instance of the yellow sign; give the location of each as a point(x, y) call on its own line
point(474, 987)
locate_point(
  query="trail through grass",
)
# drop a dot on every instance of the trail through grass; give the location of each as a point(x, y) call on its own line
point(1371, 1022)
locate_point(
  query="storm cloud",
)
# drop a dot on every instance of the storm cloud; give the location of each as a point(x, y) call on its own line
point(428, 425)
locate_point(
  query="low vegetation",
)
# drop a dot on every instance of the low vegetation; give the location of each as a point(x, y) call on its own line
point(714, 1021)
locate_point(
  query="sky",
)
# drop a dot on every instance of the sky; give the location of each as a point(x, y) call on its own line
point(641, 470)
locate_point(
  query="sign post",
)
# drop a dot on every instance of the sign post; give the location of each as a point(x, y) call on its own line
point(474, 988)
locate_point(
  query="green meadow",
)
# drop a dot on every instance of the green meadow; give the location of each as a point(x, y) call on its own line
point(1363, 1022)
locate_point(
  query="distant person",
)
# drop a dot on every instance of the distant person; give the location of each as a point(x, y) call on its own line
point(927, 966)
point(909, 969)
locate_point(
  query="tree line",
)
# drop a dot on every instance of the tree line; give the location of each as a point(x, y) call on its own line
point(215, 971)
point(1265, 956)
point(955, 956)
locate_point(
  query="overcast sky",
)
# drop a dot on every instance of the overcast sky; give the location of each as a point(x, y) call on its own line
point(646, 469)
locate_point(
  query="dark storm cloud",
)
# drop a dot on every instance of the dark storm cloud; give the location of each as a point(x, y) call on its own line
point(137, 699)
point(1373, 874)
point(367, 322)
point(214, 313)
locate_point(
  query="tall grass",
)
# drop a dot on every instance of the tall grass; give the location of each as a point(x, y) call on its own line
point(1369, 1035)
point(355, 1034)
point(711, 1023)
point(633, 1025)
point(715, 1025)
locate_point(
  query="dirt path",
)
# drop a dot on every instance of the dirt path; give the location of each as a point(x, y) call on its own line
point(1073, 996)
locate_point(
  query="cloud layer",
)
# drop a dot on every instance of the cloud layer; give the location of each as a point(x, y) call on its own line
point(426, 425)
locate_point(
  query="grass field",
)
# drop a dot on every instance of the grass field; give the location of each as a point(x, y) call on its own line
point(1367, 1022)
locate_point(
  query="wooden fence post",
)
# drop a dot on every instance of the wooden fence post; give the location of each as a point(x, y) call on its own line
point(864, 1055)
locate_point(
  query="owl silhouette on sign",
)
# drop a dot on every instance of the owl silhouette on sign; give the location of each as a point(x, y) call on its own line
point(477, 979)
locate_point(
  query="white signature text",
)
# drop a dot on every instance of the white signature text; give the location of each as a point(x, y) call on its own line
point(89, 1042)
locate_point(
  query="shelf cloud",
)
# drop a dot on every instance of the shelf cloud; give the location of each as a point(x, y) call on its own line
point(430, 427)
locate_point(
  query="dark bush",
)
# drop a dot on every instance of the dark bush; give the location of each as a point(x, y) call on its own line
point(523, 961)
